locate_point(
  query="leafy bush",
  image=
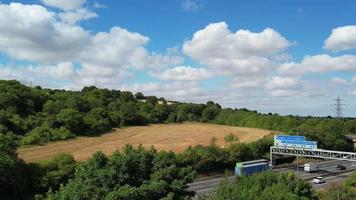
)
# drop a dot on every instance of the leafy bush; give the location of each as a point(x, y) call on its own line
point(45, 134)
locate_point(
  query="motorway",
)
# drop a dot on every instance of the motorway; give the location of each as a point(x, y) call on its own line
point(327, 169)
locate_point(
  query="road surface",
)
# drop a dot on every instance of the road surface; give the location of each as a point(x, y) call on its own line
point(327, 169)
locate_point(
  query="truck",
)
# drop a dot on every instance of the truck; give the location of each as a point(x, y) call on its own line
point(310, 167)
point(251, 167)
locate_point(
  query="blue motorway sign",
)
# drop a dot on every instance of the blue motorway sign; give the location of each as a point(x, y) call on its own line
point(297, 144)
point(289, 137)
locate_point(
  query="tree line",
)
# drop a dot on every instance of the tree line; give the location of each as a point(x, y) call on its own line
point(32, 115)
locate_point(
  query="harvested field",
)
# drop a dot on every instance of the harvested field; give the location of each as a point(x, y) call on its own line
point(158, 135)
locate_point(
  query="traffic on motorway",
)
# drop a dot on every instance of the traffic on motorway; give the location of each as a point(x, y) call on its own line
point(328, 172)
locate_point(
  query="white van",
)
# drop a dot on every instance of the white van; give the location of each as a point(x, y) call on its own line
point(310, 167)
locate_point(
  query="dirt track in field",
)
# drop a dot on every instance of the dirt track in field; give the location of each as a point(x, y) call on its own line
point(158, 135)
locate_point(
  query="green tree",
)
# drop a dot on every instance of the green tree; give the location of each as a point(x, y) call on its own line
point(72, 120)
point(97, 121)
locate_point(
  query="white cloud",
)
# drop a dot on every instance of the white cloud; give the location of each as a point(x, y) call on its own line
point(292, 87)
point(283, 93)
point(354, 79)
point(216, 37)
point(241, 53)
point(338, 80)
point(341, 38)
point(74, 16)
point(61, 71)
point(31, 32)
point(119, 47)
point(245, 83)
point(64, 4)
point(353, 92)
point(278, 82)
point(178, 90)
point(104, 77)
point(191, 5)
point(99, 5)
point(320, 64)
point(54, 76)
point(183, 73)
point(300, 92)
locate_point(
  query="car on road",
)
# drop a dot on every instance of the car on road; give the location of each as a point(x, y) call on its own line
point(340, 167)
point(319, 180)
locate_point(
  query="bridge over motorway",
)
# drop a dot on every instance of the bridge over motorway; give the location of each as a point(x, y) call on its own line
point(312, 153)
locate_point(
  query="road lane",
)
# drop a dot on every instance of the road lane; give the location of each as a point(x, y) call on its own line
point(327, 169)
point(331, 180)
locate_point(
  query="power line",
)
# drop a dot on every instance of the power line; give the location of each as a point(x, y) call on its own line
point(339, 109)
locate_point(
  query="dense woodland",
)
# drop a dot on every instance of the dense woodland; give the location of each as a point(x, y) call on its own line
point(36, 115)
point(32, 115)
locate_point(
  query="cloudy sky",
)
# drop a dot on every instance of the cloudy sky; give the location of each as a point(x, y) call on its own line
point(289, 58)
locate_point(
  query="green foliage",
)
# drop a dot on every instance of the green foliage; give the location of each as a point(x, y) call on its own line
point(231, 139)
point(71, 119)
point(131, 174)
point(45, 134)
point(263, 186)
point(345, 191)
point(7, 145)
point(15, 180)
point(97, 121)
point(55, 172)
point(211, 111)
point(215, 158)
point(330, 133)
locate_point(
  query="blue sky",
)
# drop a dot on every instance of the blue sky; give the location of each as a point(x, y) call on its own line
point(289, 57)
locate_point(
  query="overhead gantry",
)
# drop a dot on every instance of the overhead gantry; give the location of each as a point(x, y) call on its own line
point(312, 153)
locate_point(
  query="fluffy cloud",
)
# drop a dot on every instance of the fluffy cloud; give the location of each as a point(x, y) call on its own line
point(31, 32)
point(300, 92)
point(242, 52)
point(119, 47)
point(354, 79)
point(74, 16)
point(61, 71)
point(44, 75)
point(284, 93)
point(64, 4)
point(245, 84)
point(338, 80)
point(183, 73)
point(353, 92)
point(319, 64)
point(178, 90)
point(292, 87)
point(278, 82)
point(341, 38)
